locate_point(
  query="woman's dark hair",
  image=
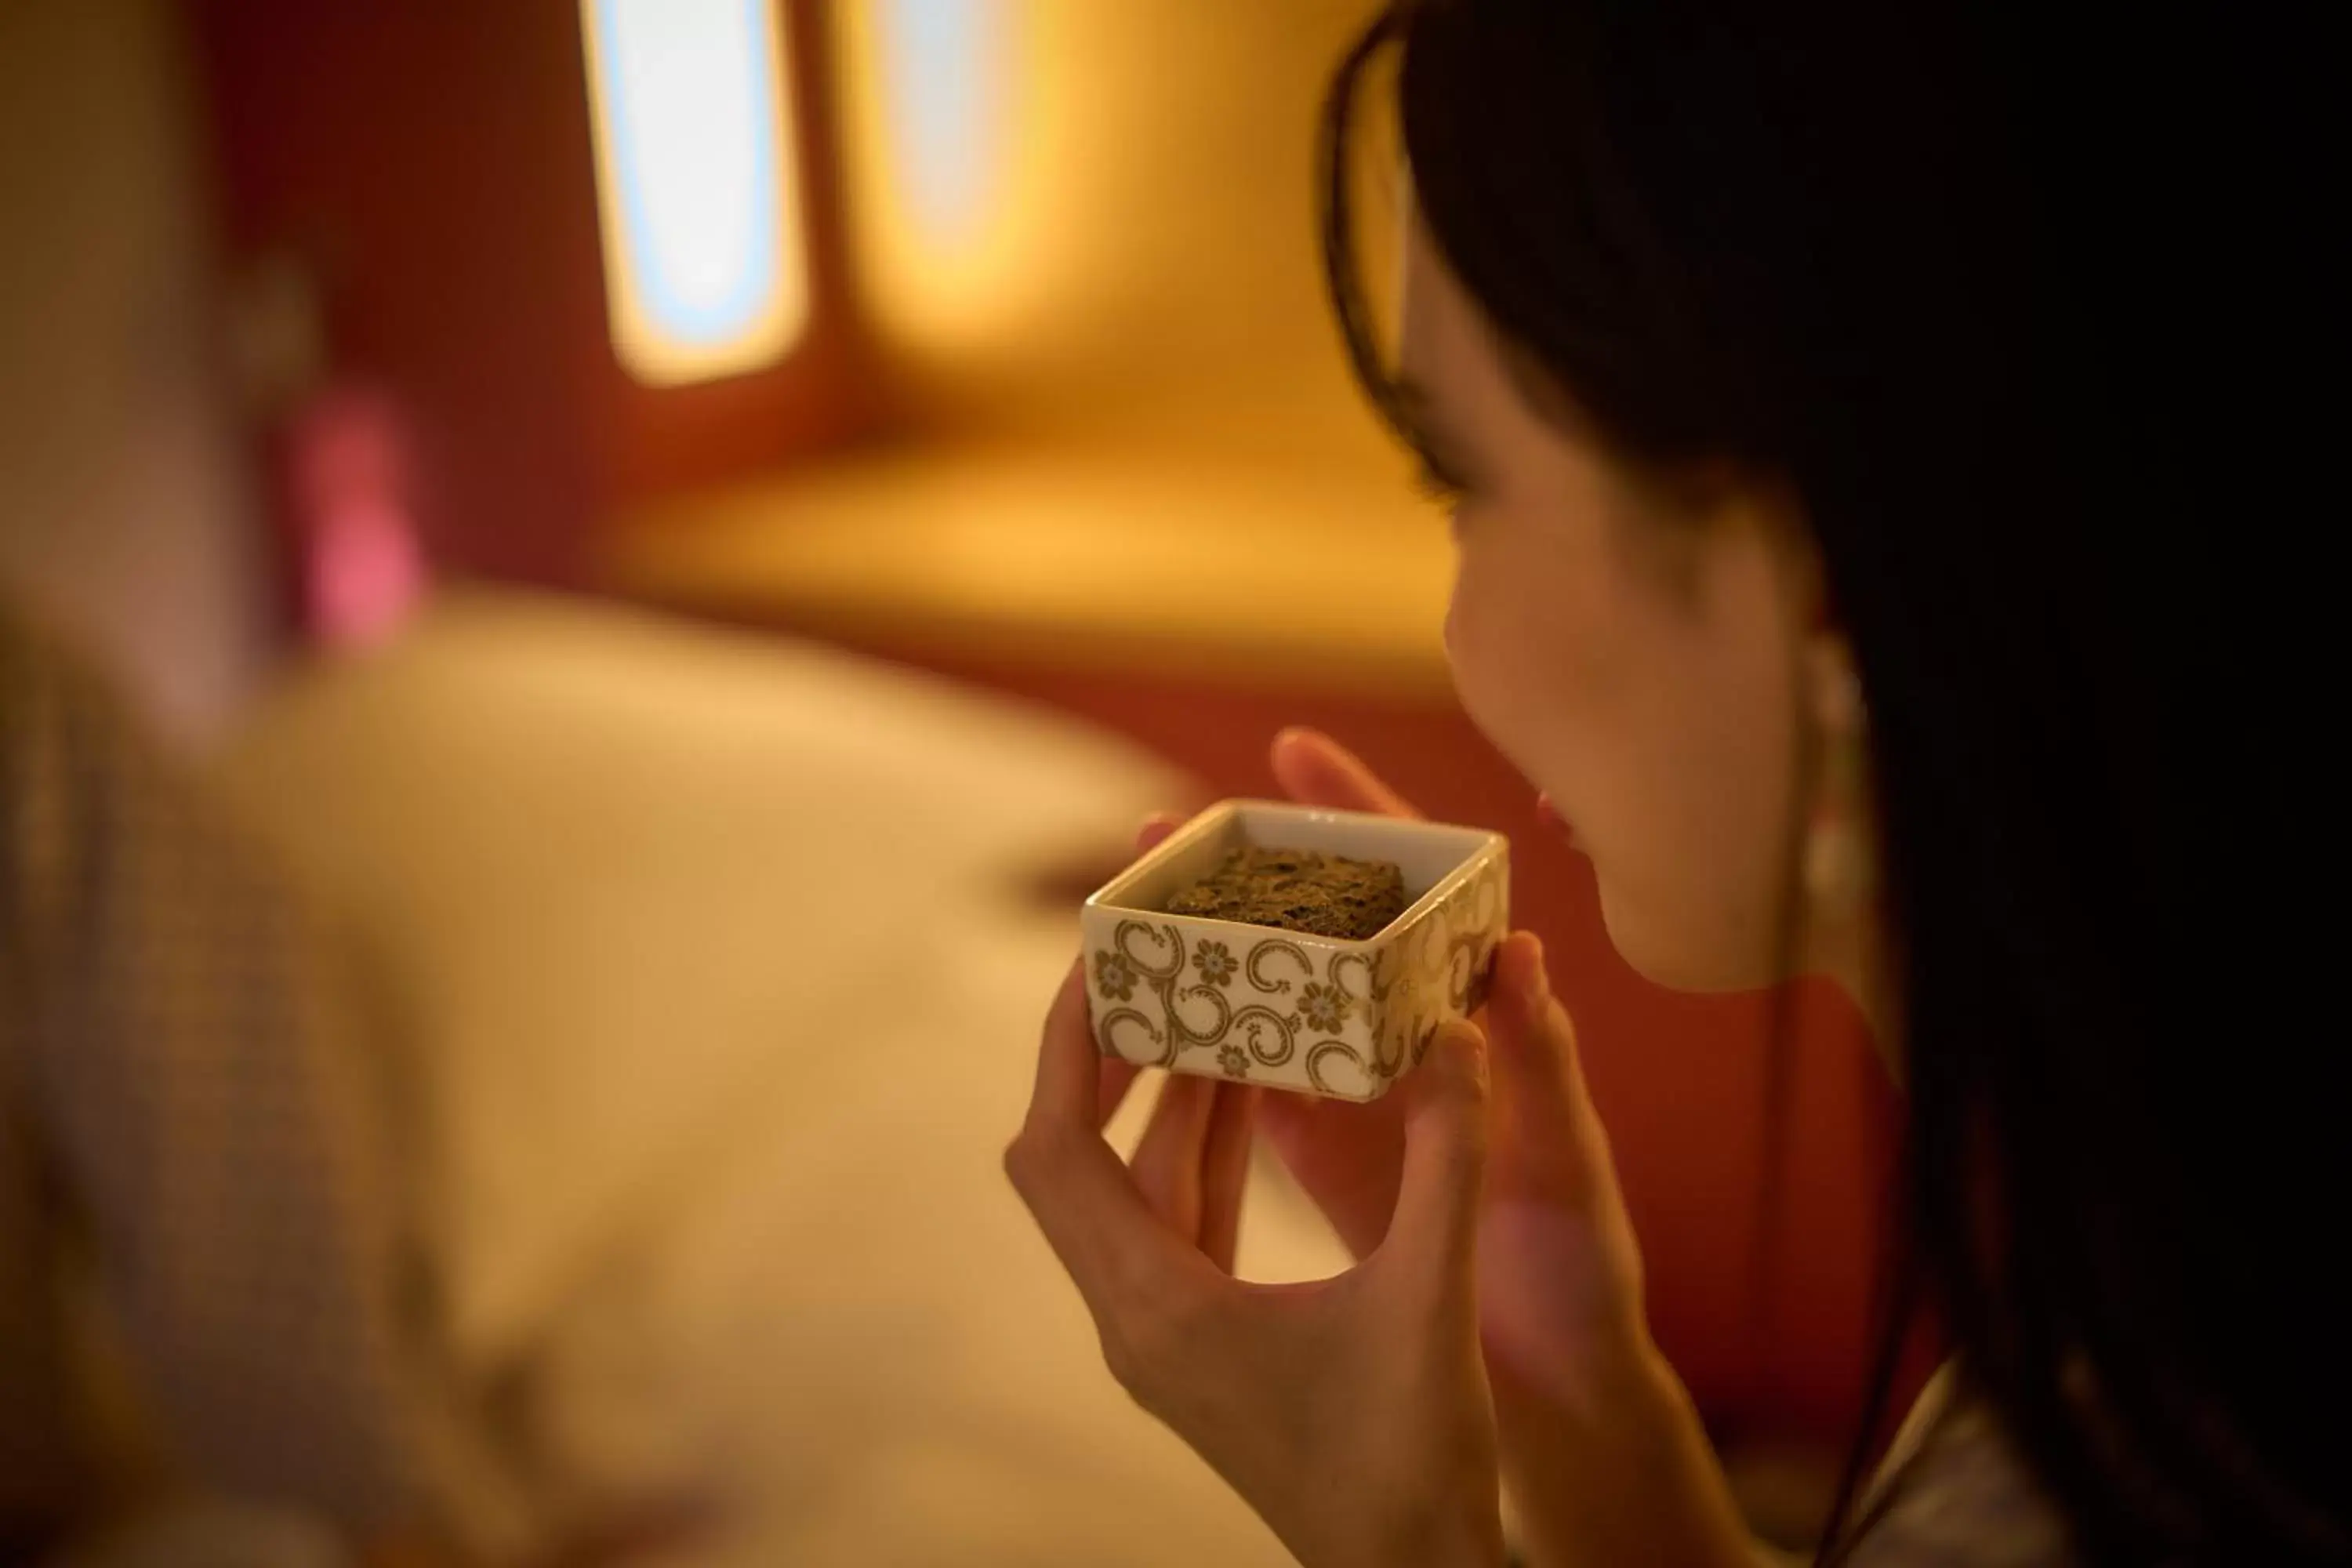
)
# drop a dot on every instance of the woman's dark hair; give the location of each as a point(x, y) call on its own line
point(1975, 297)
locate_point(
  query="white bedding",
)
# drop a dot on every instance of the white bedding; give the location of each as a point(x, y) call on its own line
point(859, 1329)
point(724, 999)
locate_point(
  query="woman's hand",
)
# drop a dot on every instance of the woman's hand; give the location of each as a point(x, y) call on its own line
point(1560, 1275)
point(1352, 1413)
point(1606, 1456)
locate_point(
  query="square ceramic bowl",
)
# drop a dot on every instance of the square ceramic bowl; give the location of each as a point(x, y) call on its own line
point(1223, 999)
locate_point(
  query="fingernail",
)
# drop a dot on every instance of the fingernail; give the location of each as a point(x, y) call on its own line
point(1460, 1058)
point(1461, 1041)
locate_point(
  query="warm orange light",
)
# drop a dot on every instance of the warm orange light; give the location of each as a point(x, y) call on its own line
point(952, 120)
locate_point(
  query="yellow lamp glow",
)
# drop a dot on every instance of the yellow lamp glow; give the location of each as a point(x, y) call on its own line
point(704, 271)
point(950, 109)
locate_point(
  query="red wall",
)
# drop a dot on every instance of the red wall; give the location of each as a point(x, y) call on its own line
point(431, 163)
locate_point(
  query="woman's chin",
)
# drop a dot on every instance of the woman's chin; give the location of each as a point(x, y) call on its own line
point(1674, 955)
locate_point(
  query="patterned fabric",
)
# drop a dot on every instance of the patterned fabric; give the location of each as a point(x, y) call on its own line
point(194, 1154)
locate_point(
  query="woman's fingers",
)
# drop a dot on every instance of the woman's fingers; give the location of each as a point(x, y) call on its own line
point(1316, 770)
point(1112, 1081)
point(1082, 1196)
point(1192, 1164)
point(1117, 1075)
point(1559, 1270)
point(1346, 1157)
point(1436, 1225)
point(1225, 1171)
point(1535, 1044)
point(1069, 1083)
point(1546, 1118)
point(1149, 1248)
point(1167, 1162)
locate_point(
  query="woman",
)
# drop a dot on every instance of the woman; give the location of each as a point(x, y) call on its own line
point(1819, 473)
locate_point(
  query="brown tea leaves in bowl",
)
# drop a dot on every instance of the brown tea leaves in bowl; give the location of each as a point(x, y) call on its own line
point(1298, 889)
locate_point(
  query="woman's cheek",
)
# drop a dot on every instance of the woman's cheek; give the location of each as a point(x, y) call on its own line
point(1466, 633)
point(1487, 637)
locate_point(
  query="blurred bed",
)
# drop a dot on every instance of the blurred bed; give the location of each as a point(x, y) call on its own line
point(718, 962)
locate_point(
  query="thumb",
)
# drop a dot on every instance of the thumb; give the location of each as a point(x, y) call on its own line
point(1437, 1220)
point(1536, 1067)
point(1545, 1118)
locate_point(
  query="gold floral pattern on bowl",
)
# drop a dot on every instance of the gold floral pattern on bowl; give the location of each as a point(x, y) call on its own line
point(1115, 976)
point(1215, 963)
point(1338, 1018)
point(1324, 1007)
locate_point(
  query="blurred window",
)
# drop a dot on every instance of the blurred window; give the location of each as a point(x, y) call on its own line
point(698, 186)
point(938, 56)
